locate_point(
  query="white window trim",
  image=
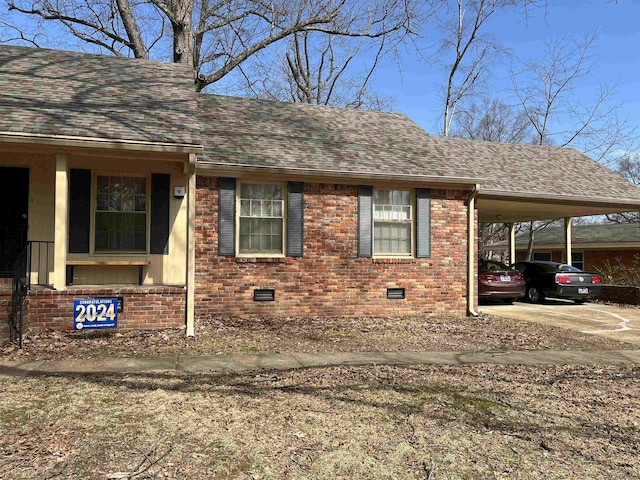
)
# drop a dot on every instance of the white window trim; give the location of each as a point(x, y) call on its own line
point(412, 202)
point(283, 254)
point(94, 204)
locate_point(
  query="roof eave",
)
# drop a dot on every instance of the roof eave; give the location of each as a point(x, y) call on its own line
point(574, 246)
point(559, 199)
point(95, 142)
point(211, 168)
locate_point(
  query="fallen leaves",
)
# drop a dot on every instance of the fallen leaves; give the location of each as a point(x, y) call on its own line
point(309, 334)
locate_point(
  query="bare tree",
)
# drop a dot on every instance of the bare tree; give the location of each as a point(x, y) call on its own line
point(10, 33)
point(629, 167)
point(492, 120)
point(470, 48)
point(545, 89)
point(215, 37)
point(322, 70)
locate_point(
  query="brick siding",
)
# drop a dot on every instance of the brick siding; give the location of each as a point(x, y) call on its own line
point(145, 307)
point(5, 311)
point(330, 280)
point(597, 259)
point(593, 259)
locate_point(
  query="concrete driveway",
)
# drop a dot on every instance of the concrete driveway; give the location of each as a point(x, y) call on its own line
point(616, 322)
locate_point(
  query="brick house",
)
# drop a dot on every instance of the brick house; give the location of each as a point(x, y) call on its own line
point(593, 245)
point(188, 205)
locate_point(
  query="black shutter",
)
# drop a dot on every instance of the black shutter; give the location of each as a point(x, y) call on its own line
point(227, 217)
point(423, 223)
point(295, 219)
point(159, 237)
point(365, 221)
point(79, 210)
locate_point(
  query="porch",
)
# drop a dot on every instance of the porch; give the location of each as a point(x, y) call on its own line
point(87, 223)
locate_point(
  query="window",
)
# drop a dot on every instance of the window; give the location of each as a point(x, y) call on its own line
point(121, 214)
point(392, 222)
point(577, 260)
point(261, 219)
point(542, 256)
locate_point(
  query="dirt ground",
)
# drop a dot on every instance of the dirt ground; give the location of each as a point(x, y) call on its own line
point(383, 422)
point(298, 335)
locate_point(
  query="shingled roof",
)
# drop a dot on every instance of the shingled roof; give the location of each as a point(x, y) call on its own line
point(56, 93)
point(585, 235)
point(243, 132)
point(543, 170)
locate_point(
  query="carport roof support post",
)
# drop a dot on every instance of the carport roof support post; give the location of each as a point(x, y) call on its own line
point(511, 239)
point(567, 239)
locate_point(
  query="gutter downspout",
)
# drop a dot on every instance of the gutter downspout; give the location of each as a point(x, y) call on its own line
point(471, 254)
point(190, 168)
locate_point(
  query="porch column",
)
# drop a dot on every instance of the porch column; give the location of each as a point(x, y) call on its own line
point(191, 245)
point(60, 223)
point(511, 240)
point(567, 239)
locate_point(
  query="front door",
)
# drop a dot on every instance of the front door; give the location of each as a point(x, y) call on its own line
point(14, 206)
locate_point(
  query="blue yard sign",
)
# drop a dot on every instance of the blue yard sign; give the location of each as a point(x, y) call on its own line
point(95, 313)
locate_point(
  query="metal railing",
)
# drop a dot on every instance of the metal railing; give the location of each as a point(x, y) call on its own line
point(34, 264)
point(19, 287)
point(40, 262)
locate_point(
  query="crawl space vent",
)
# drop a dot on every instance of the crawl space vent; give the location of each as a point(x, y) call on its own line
point(264, 295)
point(395, 293)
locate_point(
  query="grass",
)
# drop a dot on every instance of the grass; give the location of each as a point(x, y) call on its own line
point(475, 421)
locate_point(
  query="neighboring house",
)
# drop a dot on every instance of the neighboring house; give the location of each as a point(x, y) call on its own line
point(118, 180)
point(592, 245)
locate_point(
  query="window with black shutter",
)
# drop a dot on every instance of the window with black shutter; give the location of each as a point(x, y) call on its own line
point(392, 223)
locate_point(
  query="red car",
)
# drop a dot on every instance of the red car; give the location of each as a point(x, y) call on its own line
point(496, 280)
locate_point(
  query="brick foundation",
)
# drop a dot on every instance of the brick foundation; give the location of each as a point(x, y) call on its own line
point(5, 311)
point(145, 307)
point(330, 280)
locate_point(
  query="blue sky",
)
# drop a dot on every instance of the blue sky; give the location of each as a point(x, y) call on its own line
point(616, 54)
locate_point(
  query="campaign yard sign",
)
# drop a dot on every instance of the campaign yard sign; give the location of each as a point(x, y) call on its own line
point(95, 313)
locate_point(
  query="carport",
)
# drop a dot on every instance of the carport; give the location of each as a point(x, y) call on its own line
point(529, 182)
point(514, 208)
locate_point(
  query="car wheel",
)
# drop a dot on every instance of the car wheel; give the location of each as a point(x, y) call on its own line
point(509, 301)
point(534, 295)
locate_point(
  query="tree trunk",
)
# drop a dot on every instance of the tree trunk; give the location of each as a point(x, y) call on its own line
point(133, 32)
point(182, 36)
point(530, 245)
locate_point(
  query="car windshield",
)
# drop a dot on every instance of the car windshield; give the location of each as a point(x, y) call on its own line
point(491, 265)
